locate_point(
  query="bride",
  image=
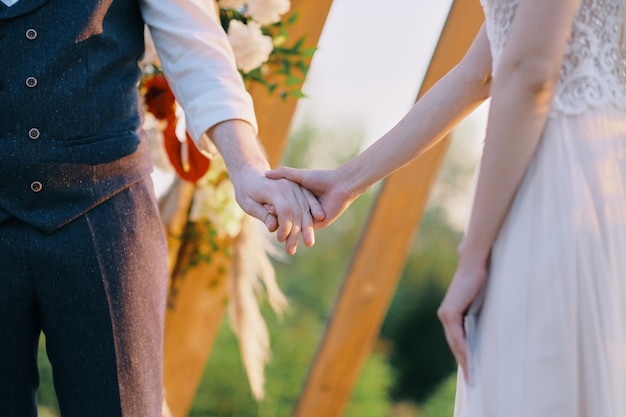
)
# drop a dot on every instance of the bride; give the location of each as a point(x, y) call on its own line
point(536, 311)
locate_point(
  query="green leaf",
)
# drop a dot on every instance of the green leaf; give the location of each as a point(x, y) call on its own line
point(293, 18)
point(308, 52)
point(302, 66)
point(297, 94)
point(291, 81)
point(298, 44)
point(286, 66)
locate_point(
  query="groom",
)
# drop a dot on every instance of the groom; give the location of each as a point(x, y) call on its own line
point(82, 251)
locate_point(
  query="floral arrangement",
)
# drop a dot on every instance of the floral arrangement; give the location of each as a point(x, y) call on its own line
point(258, 37)
point(257, 33)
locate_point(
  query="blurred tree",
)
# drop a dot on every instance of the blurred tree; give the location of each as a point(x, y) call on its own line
point(419, 354)
point(441, 403)
point(45, 396)
point(224, 391)
point(370, 398)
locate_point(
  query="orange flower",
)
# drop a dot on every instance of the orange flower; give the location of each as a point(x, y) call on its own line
point(188, 162)
point(160, 100)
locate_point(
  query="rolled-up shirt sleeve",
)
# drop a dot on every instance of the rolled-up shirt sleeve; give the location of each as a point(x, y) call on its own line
point(198, 60)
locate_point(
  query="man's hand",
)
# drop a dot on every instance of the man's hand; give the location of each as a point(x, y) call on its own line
point(331, 192)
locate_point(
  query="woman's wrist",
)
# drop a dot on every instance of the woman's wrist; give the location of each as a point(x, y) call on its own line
point(353, 178)
point(474, 253)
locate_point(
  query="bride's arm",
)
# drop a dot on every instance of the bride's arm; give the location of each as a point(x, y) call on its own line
point(522, 91)
point(431, 118)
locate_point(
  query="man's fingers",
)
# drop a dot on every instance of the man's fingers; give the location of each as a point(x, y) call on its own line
point(293, 207)
point(285, 226)
point(300, 214)
point(270, 221)
point(291, 244)
point(308, 235)
point(263, 212)
point(285, 214)
point(293, 213)
point(308, 231)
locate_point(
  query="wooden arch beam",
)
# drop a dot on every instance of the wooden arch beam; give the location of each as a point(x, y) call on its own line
point(197, 299)
point(274, 114)
point(378, 261)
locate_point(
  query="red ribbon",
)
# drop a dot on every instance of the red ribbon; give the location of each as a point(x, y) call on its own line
point(188, 162)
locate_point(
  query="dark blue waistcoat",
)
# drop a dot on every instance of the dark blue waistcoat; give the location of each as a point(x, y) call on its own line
point(69, 113)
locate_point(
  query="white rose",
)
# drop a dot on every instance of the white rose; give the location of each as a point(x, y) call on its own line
point(267, 11)
point(232, 4)
point(217, 203)
point(226, 213)
point(251, 47)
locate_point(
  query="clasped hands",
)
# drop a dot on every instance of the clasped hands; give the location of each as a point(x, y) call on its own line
point(294, 202)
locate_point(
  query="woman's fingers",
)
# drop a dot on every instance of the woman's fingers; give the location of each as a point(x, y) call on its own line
point(455, 336)
point(315, 207)
point(292, 174)
point(462, 293)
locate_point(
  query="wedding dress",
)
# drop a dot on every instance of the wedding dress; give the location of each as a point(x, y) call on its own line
point(550, 338)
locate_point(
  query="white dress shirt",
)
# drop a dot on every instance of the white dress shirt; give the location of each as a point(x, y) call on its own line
point(195, 54)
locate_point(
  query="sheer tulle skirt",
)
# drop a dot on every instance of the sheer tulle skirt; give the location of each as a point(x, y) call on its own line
point(550, 338)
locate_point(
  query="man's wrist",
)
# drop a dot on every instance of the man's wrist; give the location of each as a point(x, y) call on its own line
point(238, 145)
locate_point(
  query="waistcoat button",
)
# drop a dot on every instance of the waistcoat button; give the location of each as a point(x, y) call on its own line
point(31, 34)
point(36, 186)
point(31, 82)
point(34, 134)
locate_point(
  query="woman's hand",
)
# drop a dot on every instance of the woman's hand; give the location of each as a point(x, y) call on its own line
point(330, 190)
point(467, 283)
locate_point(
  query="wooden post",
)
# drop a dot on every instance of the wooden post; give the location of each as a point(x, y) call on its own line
point(379, 259)
point(273, 113)
point(196, 304)
point(174, 209)
point(198, 296)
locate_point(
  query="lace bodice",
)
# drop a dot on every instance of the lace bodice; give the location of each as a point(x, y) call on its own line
point(593, 72)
